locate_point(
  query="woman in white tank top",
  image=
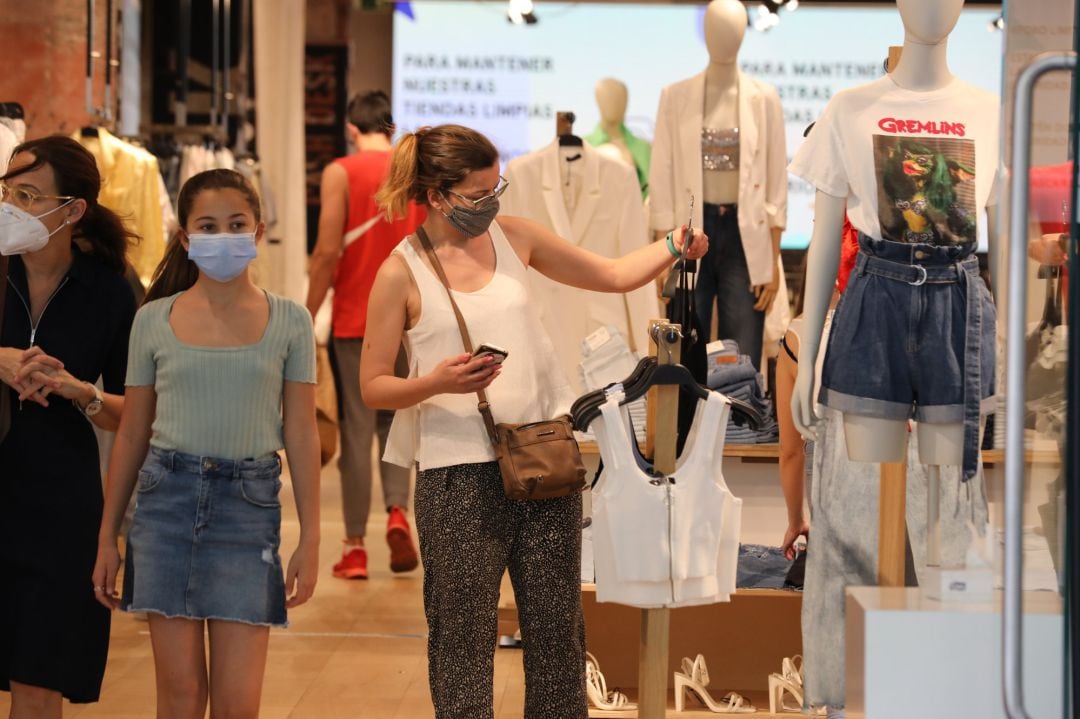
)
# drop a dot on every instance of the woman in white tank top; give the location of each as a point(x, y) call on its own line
point(470, 533)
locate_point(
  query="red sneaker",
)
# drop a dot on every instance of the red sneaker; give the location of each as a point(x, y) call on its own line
point(403, 556)
point(353, 564)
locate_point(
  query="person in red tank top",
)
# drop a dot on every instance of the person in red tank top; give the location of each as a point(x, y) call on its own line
point(354, 239)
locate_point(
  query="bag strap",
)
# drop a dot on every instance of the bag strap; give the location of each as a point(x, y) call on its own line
point(357, 232)
point(3, 286)
point(483, 405)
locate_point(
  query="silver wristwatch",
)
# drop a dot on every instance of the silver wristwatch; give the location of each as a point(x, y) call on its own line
point(93, 406)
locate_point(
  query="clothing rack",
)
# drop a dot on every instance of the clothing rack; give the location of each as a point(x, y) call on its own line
point(215, 133)
point(661, 437)
point(103, 115)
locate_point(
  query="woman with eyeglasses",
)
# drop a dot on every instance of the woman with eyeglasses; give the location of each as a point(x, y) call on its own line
point(470, 533)
point(67, 315)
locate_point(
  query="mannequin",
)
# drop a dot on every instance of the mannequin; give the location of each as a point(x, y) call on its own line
point(720, 135)
point(725, 26)
point(922, 69)
point(611, 99)
point(612, 136)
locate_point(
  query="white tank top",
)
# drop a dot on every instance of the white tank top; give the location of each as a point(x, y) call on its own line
point(447, 429)
point(665, 541)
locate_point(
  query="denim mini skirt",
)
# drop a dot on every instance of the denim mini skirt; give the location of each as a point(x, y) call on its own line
point(204, 541)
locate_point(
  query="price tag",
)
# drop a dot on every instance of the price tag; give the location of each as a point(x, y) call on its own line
point(597, 339)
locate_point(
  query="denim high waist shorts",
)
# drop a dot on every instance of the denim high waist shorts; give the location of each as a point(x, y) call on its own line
point(204, 541)
point(913, 336)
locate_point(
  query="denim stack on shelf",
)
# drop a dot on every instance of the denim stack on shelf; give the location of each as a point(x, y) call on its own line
point(733, 374)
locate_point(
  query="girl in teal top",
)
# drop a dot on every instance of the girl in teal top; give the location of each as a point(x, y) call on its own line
point(221, 376)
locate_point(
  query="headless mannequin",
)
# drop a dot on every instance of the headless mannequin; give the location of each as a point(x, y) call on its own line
point(611, 99)
point(923, 68)
point(725, 25)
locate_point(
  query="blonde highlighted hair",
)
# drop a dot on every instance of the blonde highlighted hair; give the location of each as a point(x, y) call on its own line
point(432, 158)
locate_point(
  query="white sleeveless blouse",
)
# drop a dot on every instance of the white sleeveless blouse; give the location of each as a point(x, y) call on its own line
point(447, 429)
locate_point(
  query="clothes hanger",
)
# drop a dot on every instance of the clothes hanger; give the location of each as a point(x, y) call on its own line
point(12, 110)
point(564, 130)
point(647, 374)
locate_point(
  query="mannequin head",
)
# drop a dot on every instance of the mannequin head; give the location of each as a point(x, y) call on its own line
point(611, 99)
point(725, 25)
point(928, 22)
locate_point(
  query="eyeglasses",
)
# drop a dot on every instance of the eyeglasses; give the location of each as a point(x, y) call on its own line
point(23, 198)
point(477, 204)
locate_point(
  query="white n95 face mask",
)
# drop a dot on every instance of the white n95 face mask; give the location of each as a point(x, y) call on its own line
point(21, 232)
point(222, 257)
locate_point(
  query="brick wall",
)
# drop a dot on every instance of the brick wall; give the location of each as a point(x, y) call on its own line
point(43, 56)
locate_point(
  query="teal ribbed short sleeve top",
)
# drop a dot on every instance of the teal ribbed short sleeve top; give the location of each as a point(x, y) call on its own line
point(222, 402)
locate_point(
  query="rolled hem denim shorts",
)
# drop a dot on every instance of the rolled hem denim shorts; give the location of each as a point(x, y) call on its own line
point(204, 541)
point(913, 336)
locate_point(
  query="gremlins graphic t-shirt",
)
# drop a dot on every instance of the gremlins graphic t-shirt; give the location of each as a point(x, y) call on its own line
point(914, 166)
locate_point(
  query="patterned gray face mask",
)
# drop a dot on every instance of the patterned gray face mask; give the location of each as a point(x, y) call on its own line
point(472, 222)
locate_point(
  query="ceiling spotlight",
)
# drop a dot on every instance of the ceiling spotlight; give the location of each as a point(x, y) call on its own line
point(521, 12)
point(791, 5)
point(766, 19)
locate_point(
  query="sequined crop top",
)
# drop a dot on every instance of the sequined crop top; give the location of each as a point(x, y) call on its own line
point(720, 148)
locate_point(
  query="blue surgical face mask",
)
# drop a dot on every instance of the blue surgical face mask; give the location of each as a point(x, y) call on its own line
point(222, 257)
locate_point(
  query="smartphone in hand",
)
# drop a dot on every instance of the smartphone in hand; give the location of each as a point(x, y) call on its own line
point(489, 349)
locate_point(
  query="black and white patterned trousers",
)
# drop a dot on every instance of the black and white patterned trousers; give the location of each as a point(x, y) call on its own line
point(469, 534)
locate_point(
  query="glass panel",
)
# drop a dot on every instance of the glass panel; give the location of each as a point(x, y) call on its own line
point(1031, 29)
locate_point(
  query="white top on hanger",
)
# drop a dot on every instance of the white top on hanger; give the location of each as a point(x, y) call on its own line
point(665, 541)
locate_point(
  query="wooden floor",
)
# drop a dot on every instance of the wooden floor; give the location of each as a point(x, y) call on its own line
point(355, 651)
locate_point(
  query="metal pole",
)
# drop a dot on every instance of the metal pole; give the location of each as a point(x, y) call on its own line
point(227, 69)
point(215, 30)
point(106, 110)
point(1016, 367)
point(90, 59)
point(182, 58)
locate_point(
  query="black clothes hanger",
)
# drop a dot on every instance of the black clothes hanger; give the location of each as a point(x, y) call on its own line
point(12, 110)
point(564, 130)
point(649, 374)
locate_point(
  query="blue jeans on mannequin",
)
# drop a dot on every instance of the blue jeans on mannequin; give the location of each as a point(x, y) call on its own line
point(724, 277)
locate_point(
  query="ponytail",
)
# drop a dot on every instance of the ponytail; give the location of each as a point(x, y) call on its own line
point(432, 158)
point(102, 233)
point(400, 186)
point(175, 273)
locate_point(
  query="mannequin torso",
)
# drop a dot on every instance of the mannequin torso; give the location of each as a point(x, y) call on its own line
point(617, 143)
point(721, 112)
point(725, 25)
point(922, 69)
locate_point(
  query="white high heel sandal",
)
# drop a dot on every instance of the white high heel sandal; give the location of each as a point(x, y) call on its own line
point(789, 681)
point(694, 678)
point(613, 703)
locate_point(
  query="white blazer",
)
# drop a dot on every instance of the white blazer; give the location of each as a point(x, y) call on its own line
point(677, 165)
point(609, 219)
